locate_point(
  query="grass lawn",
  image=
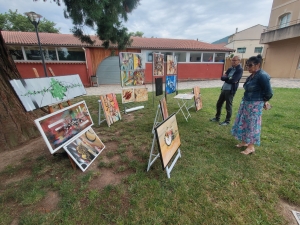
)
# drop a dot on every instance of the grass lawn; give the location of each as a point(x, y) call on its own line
point(212, 183)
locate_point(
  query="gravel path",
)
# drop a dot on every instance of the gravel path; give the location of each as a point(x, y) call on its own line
point(116, 88)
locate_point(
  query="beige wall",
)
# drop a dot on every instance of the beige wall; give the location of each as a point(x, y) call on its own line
point(281, 7)
point(248, 44)
point(282, 58)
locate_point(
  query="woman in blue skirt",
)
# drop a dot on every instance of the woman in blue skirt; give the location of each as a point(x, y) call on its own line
point(258, 92)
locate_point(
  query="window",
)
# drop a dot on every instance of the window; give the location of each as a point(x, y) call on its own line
point(241, 50)
point(165, 55)
point(70, 54)
point(16, 52)
point(195, 57)
point(181, 56)
point(33, 53)
point(208, 57)
point(258, 49)
point(220, 57)
point(284, 20)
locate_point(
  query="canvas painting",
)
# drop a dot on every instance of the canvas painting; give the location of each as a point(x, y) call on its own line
point(131, 61)
point(128, 95)
point(158, 64)
point(168, 140)
point(171, 84)
point(39, 92)
point(85, 149)
point(141, 94)
point(158, 86)
point(64, 125)
point(171, 65)
point(111, 108)
point(197, 98)
point(164, 108)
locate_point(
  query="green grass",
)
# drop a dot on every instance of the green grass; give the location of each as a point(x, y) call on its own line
point(212, 183)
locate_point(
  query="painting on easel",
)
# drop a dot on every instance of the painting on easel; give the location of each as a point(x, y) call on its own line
point(85, 149)
point(164, 108)
point(158, 64)
point(64, 125)
point(197, 98)
point(111, 108)
point(168, 140)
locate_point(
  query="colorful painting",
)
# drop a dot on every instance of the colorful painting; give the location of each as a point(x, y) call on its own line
point(85, 149)
point(39, 92)
point(158, 64)
point(171, 65)
point(168, 140)
point(128, 95)
point(111, 108)
point(141, 94)
point(158, 86)
point(64, 125)
point(171, 84)
point(197, 98)
point(164, 108)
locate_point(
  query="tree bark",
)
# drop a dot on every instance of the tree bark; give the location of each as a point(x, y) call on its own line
point(16, 125)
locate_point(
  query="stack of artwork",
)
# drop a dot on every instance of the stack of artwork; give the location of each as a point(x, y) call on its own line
point(197, 98)
point(110, 108)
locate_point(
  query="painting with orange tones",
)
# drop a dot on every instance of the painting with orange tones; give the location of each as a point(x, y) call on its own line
point(141, 94)
point(64, 125)
point(163, 108)
point(197, 98)
point(168, 140)
point(110, 107)
point(128, 95)
point(85, 149)
point(158, 64)
point(171, 65)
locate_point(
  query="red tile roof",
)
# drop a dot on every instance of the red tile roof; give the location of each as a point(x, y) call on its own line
point(29, 38)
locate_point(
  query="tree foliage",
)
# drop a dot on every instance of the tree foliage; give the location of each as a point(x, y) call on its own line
point(136, 34)
point(14, 21)
point(104, 16)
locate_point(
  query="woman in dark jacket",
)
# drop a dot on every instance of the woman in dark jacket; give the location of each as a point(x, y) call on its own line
point(258, 92)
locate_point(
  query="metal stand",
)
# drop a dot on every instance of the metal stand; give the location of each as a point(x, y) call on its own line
point(100, 108)
point(169, 169)
point(158, 118)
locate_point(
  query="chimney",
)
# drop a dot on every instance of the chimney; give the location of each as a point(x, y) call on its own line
point(236, 30)
point(197, 39)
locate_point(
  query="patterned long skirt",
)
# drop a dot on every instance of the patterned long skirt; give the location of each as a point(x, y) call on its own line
point(247, 124)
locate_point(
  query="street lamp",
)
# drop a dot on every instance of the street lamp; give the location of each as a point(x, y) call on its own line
point(35, 20)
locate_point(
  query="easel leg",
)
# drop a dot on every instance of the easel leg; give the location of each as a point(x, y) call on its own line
point(169, 169)
point(151, 161)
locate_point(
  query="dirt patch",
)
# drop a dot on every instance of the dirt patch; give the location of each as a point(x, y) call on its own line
point(285, 208)
point(49, 203)
point(20, 176)
point(128, 117)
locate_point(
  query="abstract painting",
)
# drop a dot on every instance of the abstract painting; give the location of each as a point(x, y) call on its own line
point(158, 86)
point(197, 98)
point(128, 95)
point(39, 92)
point(85, 149)
point(171, 65)
point(171, 84)
point(168, 140)
point(110, 107)
point(141, 94)
point(132, 77)
point(158, 64)
point(64, 125)
point(164, 108)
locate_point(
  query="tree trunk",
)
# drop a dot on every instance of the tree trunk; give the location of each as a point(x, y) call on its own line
point(16, 125)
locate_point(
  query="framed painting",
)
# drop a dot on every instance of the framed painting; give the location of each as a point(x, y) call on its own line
point(158, 86)
point(158, 64)
point(85, 149)
point(64, 125)
point(171, 65)
point(168, 140)
point(111, 108)
point(164, 108)
point(141, 94)
point(197, 98)
point(126, 61)
point(171, 84)
point(39, 92)
point(128, 95)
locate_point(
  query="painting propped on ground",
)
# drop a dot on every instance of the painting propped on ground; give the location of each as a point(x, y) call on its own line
point(39, 92)
point(168, 140)
point(197, 98)
point(85, 149)
point(164, 108)
point(111, 108)
point(64, 125)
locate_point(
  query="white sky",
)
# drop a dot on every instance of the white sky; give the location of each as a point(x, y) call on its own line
point(208, 21)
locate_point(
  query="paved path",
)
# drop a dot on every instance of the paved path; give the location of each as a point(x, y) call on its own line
point(116, 88)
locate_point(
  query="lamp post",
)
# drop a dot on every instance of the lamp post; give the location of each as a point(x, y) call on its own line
point(35, 20)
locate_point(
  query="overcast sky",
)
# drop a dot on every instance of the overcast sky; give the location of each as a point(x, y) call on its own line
point(206, 20)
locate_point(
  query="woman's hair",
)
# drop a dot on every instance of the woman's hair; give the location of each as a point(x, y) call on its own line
point(255, 60)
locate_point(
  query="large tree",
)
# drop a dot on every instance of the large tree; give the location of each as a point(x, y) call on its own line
point(14, 21)
point(105, 16)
